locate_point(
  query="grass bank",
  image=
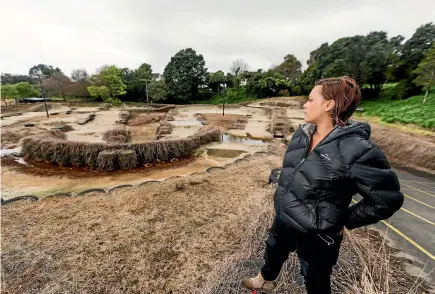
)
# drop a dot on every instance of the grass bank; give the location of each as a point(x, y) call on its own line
point(409, 111)
point(218, 100)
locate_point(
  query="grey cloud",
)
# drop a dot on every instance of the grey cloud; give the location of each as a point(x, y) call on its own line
point(72, 34)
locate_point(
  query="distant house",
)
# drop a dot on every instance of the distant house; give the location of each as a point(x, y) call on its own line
point(157, 76)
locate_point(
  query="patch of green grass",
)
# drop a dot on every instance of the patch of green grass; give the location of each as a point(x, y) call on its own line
point(389, 85)
point(384, 86)
point(409, 111)
point(218, 100)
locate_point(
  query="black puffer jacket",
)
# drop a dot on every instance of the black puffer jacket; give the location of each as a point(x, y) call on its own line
point(315, 189)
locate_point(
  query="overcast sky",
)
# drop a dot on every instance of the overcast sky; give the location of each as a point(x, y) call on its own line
point(88, 34)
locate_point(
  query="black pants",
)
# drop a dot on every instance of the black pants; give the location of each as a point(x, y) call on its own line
point(317, 255)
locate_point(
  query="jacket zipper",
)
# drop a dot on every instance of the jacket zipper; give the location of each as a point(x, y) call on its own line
point(300, 163)
point(305, 156)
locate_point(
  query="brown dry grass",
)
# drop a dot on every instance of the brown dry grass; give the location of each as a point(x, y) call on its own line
point(86, 153)
point(291, 102)
point(117, 136)
point(365, 266)
point(56, 123)
point(57, 134)
point(107, 160)
point(413, 150)
point(160, 238)
point(165, 128)
point(12, 136)
point(199, 234)
point(127, 159)
point(144, 119)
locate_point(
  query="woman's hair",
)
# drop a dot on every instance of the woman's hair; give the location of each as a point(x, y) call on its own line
point(346, 94)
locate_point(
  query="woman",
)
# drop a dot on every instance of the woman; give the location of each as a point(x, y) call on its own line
point(327, 162)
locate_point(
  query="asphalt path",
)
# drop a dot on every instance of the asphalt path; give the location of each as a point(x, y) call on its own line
point(412, 228)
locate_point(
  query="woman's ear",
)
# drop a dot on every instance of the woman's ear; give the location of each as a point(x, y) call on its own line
point(330, 104)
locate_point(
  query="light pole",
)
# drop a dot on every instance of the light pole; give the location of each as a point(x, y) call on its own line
point(146, 87)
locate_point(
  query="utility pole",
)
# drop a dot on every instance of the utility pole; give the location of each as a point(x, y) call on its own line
point(146, 87)
point(223, 107)
point(42, 93)
point(146, 90)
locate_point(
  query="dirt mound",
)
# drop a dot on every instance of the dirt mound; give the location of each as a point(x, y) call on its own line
point(163, 129)
point(82, 154)
point(12, 136)
point(57, 134)
point(226, 121)
point(117, 136)
point(144, 119)
point(414, 150)
point(296, 102)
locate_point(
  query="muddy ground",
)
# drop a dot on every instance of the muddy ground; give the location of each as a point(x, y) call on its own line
point(184, 235)
point(34, 178)
point(189, 234)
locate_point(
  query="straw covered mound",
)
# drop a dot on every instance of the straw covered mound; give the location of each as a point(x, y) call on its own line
point(82, 154)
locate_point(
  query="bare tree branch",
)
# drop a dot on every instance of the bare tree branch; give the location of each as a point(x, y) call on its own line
point(239, 66)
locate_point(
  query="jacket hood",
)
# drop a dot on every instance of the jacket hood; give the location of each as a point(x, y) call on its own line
point(354, 128)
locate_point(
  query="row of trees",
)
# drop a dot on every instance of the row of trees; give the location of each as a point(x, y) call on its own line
point(372, 60)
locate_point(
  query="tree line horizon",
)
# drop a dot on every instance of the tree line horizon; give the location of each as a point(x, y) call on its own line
point(372, 60)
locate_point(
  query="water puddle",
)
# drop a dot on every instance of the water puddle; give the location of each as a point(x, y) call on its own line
point(9, 152)
point(228, 138)
point(190, 122)
point(21, 160)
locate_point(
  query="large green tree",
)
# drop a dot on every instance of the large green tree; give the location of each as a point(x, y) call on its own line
point(412, 54)
point(7, 78)
point(25, 89)
point(290, 68)
point(102, 92)
point(184, 74)
point(268, 84)
point(416, 47)
point(370, 60)
point(110, 77)
point(157, 90)
point(136, 81)
point(8, 91)
point(216, 80)
point(43, 70)
point(426, 72)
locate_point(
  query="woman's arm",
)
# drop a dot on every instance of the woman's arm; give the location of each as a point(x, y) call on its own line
point(378, 185)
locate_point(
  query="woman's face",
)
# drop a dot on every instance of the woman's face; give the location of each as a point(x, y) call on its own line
point(317, 108)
